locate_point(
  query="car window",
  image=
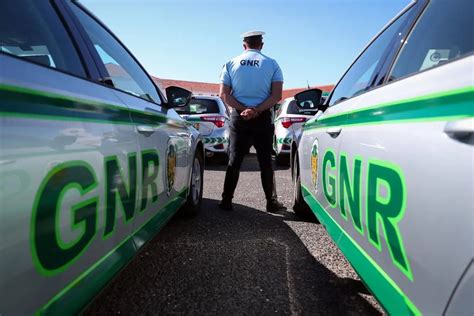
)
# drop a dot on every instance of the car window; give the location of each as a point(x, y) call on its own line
point(308, 108)
point(200, 106)
point(357, 78)
point(445, 31)
point(124, 72)
point(32, 30)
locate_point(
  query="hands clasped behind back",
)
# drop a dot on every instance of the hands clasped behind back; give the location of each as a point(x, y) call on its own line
point(249, 114)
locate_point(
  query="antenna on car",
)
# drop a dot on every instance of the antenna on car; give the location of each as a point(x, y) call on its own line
point(307, 82)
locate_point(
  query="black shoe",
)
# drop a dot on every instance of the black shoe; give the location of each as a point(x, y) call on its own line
point(226, 205)
point(273, 206)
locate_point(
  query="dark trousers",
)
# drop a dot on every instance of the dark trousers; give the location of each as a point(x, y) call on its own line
point(243, 134)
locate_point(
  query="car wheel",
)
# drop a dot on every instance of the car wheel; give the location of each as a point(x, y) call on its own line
point(194, 200)
point(300, 207)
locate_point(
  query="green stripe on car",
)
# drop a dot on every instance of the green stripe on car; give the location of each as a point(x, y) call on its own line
point(215, 140)
point(448, 105)
point(31, 103)
point(284, 140)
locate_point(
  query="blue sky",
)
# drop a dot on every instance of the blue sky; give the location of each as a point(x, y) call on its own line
point(312, 40)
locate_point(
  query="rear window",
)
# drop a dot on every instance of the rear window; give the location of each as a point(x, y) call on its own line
point(308, 108)
point(200, 106)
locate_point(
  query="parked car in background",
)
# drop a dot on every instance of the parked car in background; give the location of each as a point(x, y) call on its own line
point(289, 118)
point(94, 160)
point(388, 166)
point(211, 117)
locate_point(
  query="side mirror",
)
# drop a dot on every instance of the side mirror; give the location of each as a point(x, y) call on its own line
point(310, 100)
point(177, 97)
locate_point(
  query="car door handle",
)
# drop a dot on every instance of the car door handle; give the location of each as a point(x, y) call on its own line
point(145, 129)
point(334, 131)
point(460, 128)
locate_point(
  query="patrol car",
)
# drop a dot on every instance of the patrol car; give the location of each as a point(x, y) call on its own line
point(94, 159)
point(211, 117)
point(289, 119)
point(388, 166)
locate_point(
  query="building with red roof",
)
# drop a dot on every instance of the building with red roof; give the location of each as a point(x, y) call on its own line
point(195, 87)
point(205, 88)
point(288, 93)
point(199, 88)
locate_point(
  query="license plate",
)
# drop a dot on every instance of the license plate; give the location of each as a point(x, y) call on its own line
point(196, 126)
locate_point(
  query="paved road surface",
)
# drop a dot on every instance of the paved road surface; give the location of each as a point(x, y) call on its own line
point(241, 262)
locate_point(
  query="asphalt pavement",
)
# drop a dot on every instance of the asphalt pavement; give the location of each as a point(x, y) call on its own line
point(244, 262)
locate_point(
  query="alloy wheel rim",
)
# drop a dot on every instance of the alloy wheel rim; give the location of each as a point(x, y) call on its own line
point(196, 181)
point(295, 183)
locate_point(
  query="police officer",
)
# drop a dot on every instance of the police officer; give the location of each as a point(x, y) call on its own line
point(251, 84)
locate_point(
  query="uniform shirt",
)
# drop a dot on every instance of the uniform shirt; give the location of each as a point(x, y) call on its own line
point(250, 75)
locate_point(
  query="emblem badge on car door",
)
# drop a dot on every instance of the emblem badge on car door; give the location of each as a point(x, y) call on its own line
point(170, 167)
point(314, 164)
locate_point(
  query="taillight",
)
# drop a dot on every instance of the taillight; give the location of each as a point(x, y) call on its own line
point(288, 121)
point(218, 121)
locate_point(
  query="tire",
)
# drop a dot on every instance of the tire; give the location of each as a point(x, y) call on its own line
point(194, 200)
point(301, 209)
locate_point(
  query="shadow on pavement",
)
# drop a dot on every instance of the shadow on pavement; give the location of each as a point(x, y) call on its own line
point(240, 262)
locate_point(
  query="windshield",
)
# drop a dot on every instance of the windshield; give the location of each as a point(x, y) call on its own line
point(199, 106)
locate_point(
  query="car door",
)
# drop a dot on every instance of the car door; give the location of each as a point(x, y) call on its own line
point(412, 137)
point(320, 144)
point(332, 168)
point(163, 137)
point(57, 127)
point(318, 151)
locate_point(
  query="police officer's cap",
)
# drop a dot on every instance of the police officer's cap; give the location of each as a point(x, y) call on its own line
point(252, 33)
